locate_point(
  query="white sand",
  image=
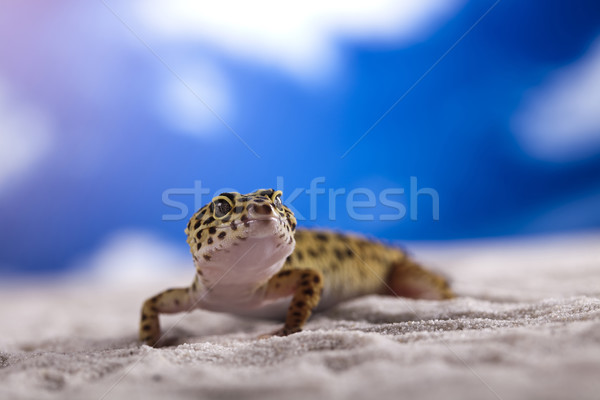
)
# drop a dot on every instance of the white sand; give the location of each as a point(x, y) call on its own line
point(526, 327)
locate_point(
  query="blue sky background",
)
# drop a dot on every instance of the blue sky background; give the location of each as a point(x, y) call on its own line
point(94, 127)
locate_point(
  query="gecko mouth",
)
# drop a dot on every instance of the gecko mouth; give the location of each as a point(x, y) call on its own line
point(234, 225)
point(261, 227)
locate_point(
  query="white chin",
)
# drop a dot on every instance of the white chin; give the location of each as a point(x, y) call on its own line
point(260, 254)
point(253, 260)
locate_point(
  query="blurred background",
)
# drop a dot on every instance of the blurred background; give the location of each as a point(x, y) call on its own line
point(106, 106)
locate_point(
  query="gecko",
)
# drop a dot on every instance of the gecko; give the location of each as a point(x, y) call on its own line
point(252, 261)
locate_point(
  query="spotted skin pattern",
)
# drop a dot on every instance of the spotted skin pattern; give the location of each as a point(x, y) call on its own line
point(251, 260)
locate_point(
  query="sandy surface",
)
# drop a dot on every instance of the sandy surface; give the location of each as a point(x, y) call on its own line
point(527, 326)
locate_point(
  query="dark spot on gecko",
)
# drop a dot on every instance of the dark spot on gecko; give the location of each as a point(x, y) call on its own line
point(146, 327)
point(206, 257)
point(209, 241)
point(209, 220)
point(309, 292)
point(349, 253)
point(316, 279)
point(243, 199)
point(154, 299)
point(222, 235)
point(198, 246)
point(322, 237)
point(212, 230)
point(284, 273)
point(305, 283)
point(144, 317)
point(197, 224)
point(300, 304)
point(297, 314)
point(305, 275)
point(176, 301)
point(238, 209)
point(312, 253)
point(154, 309)
point(233, 225)
point(299, 254)
point(199, 233)
point(338, 254)
point(288, 260)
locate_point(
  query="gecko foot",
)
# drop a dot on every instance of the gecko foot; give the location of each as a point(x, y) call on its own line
point(283, 331)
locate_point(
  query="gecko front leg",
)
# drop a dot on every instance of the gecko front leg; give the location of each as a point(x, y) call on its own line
point(168, 302)
point(306, 285)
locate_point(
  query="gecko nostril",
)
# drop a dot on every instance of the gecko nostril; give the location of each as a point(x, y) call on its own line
point(264, 209)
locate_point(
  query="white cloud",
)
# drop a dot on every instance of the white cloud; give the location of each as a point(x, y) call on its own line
point(25, 135)
point(560, 120)
point(299, 37)
point(134, 257)
point(186, 112)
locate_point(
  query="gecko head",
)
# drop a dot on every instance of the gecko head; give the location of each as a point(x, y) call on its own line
point(255, 227)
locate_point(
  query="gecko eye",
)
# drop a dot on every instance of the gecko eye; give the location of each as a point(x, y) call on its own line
point(222, 207)
point(277, 200)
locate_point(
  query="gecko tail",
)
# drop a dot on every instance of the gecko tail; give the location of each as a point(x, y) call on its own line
point(409, 279)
